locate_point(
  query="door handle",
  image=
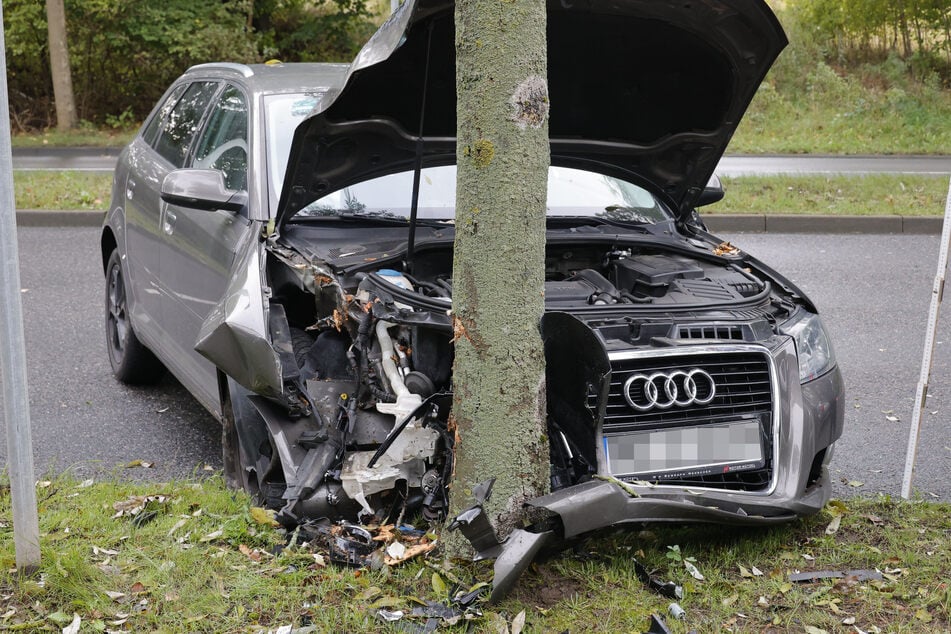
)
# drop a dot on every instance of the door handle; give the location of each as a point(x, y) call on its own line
point(129, 189)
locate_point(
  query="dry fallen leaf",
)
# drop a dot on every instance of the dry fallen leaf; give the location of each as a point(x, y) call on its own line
point(410, 552)
point(833, 526)
point(518, 623)
point(73, 628)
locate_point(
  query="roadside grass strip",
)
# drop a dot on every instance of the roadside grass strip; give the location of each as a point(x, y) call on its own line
point(195, 556)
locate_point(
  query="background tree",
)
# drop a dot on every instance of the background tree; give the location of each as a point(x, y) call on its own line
point(59, 65)
point(498, 272)
point(123, 54)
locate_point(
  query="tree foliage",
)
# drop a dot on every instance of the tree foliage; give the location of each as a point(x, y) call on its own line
point(866, 30)
point(124, 53)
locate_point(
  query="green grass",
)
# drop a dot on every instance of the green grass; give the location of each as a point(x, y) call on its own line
point(880, 194)
point(853, 120)
point(872, 195)
point(204, 564)
point(84, 136)
point(62, 190)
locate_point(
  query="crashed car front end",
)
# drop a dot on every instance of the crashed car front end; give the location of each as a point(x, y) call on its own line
point(682, 384)
point(686, 381)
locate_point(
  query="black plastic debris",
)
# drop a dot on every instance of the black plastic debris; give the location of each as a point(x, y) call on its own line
point(816, 575)
point(475, 524)
point(512, 555)
point(469, 598)
point(350, 545)
point(667, 589)
point(658, 626)
point(434, 609)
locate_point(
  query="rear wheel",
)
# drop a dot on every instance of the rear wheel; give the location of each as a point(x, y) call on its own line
point(131, 361)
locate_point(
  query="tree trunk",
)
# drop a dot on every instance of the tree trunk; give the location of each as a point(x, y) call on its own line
point(498, 272)
point(59, 65)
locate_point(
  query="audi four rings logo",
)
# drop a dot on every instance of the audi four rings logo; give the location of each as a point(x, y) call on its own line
point(662, 391)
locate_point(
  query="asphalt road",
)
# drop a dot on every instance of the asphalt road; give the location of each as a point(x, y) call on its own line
point(874, 291)
point(82, 419)
point(105, 160)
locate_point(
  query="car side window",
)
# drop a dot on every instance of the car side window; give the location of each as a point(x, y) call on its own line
point(223, 144)
point(179, 127)
point(152, 129)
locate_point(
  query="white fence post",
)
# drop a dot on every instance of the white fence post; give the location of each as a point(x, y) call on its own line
point(16, 404)
point(937, 291)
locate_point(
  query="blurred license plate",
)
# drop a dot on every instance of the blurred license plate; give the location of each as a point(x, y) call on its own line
point(667, 454)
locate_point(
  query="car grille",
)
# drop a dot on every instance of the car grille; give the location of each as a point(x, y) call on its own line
point(743, 390)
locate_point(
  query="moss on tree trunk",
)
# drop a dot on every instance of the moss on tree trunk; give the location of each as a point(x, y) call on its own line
point(498, 274)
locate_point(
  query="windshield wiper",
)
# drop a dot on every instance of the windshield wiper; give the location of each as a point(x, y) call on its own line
point(370, 218)
point(593, 221)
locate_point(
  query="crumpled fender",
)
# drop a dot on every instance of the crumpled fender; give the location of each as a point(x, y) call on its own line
point(234, 336)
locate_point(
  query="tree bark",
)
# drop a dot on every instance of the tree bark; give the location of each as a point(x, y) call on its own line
point(498, 271)
point(59, 65)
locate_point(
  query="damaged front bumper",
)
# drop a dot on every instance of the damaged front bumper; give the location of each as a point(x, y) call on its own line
point(810, 419)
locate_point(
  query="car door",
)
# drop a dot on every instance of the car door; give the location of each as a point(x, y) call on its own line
point(163, 146)
point(199, 246)
point(141, 236)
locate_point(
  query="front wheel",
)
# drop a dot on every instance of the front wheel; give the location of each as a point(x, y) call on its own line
point(131, 361)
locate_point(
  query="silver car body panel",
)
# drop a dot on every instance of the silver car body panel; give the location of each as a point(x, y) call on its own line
point(234, 335)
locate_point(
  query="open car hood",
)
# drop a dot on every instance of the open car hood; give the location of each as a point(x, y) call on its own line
point(640, 89)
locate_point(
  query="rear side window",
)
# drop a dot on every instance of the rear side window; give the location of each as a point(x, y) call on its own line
point(179, 127)
point(152, 129)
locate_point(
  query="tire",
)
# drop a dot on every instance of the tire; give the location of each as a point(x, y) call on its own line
point(243, 436)
point(132, 363)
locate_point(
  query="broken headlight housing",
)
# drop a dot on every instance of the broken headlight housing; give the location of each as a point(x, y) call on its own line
point(812, 344)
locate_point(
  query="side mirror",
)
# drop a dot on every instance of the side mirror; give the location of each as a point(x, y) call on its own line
point(201, 189)
point(712, 193)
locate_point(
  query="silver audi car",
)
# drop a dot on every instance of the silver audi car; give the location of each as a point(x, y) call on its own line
point(265, 246)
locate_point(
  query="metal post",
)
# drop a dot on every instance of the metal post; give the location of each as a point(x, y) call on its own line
point(937, 291)
point(16, 404)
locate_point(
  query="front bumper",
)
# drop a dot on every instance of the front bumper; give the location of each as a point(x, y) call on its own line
point(809, 420)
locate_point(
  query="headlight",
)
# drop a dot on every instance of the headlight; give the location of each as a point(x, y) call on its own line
point(812, 344)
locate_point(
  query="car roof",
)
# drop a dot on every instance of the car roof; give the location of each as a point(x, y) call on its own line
point(275, 77)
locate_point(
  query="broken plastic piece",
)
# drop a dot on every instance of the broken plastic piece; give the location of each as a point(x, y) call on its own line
point(390, 617)
point(475, 524)
point(350, 545)
point(668, 589)
point(658, 626)
point(434, 609)
point(512, 556)
point(815, 575)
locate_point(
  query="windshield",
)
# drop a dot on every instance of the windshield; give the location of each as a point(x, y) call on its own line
point(283, 113)
point(571, 192)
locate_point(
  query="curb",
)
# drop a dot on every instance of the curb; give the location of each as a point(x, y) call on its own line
point(716, 223)
point(780, 223)
point(44, 218)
